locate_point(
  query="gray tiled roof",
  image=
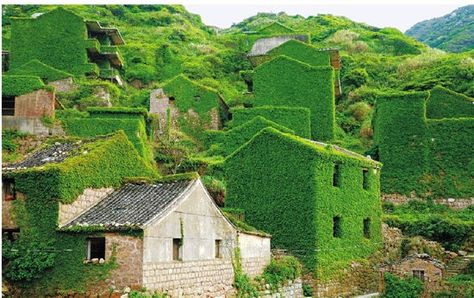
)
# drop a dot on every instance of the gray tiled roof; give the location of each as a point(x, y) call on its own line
point(133, 205)
point(53, 154)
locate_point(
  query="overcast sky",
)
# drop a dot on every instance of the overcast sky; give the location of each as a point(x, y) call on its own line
point(402, 15)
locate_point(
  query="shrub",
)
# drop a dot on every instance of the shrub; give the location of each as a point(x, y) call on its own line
point(281, 270)
point(396, 287)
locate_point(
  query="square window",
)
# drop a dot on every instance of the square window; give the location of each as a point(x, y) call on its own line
point(8, 105)
point(177, 250)
point(218, 249)
point(419, 274)
point(8, 190)
point(96, 248)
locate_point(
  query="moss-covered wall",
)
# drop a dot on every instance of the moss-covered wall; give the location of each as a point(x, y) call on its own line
point(46, 262)
point(275, 85)
point(284, 184)
point(56, 38)
point(14, 85)
point(431, 157)
point(444, 103)
point(302, 52)
point(295, 118)
point(102, 121)
point(41, 70)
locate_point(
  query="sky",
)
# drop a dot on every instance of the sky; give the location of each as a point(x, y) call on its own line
point(401, 15)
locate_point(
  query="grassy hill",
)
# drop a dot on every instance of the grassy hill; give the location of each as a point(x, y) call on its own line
point(453, 32)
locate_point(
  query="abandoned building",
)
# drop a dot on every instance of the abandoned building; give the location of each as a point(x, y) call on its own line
point(327, 212)
point(421, 266)
point(81, 47)
point(182, 97)
point(164, 234)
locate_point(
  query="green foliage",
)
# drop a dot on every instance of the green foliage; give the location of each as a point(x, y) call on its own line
point(438, 152)
point(400, 132)
point(13, 85)
point(237, 136)
point(305, 202)
point(295, 118)
point(459, 286)
point(191, 95)
point(242, 282)
point(451, 228)
point(281, 270)
point(101, 163)
point(274, 85)
point(307, 290)
point(41, 70)
point(444, 103)
point(302, 52)
point(57, 39)
point(396, 287)
point(103, 121)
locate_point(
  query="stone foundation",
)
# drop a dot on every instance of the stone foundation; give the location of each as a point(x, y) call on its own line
point(294, 289)
point(398, 199)
point(209, 278)
point(31, 125)
point(254, 266)
point(86, 200)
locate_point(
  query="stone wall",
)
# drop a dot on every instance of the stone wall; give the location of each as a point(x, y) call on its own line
point(209, 278)
point(398, 199)
point(87, 199)
point(64, 85)
point(128, 251)
point(159, 104)
point(294, 289)
point(392, 241)
point(32, 125)
point(255, 253)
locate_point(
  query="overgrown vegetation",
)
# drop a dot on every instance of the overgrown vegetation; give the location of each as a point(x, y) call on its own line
point(396, 287)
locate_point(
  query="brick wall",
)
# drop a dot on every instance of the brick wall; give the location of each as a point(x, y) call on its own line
point(129, 256)
point(35, 104)
point(209, 278)
point(87, 199)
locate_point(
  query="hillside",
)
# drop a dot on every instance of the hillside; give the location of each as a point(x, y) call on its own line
point(453, 32)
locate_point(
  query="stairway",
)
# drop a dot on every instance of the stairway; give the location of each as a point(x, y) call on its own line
point(457, 265)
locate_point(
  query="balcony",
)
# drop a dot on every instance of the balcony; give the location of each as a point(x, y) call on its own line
point(92, 45)
point(112, 53)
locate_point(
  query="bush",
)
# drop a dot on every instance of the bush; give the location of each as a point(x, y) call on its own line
point(281, 270)
point(396, 287)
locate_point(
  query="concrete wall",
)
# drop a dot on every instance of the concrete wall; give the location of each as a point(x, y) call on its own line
point(32, 125)
point(86, 200)
point(255, 253)
point(35, 104)
point(64, 85)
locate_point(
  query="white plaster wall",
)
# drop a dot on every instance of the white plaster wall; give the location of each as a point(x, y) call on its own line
point(202, 224)
point(253, 246)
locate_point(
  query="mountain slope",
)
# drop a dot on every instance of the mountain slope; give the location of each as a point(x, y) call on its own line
point(453, 32)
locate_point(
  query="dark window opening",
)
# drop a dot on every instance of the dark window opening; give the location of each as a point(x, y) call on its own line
point(10, 234)
point(96, 248)
point(249, 86)
point(177, 250)
point(365, 174)
point(197, 97)
point(8, 105)
point(218, 249)
point(367, 227)
point(8, 190)
point(336, 227)
point(336, 176)
point(419, 274)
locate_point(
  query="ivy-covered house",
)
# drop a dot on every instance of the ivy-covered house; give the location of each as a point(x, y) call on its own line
point(425, 141)
point(66, 42)
point(184, 97)
point(319, 201)
point(73, 221)
point(275, 85)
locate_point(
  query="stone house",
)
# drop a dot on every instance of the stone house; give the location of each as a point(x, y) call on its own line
point(165, 235)
point(182, 96)
point(422, 266)
point(326, 212)
point(187, 244)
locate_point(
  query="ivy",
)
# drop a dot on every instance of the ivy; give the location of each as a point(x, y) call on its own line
point(295, 118)
point(14, 85)
point(284, 184)
point(41, 70)
point(275, 85)
point(444, 103)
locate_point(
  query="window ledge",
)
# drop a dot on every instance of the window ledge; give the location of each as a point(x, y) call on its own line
point(94, 261)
